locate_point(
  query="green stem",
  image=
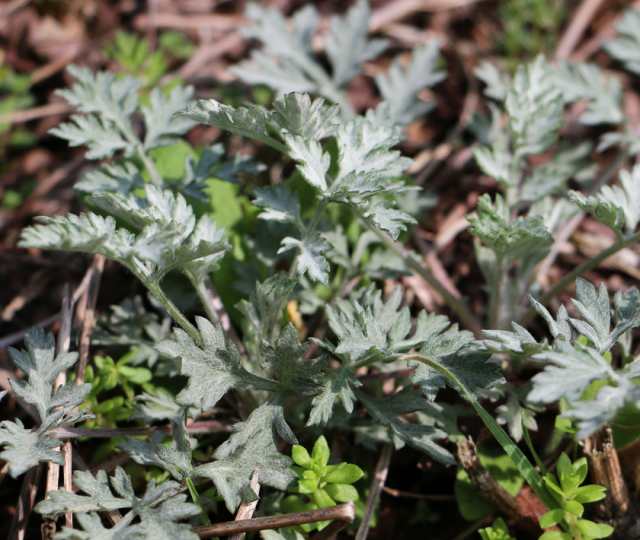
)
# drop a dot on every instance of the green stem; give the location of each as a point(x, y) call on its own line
point(524, 466)
point(495, 298)
point(172, 309)
point(587, 265)
point(532, 449)
point(156, 179)
point(457, 305)
point(195, 497)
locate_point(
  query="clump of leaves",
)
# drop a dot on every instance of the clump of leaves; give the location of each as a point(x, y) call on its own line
point(566, 487)
point(497, 531)
point(319, 484)
point(52, 408)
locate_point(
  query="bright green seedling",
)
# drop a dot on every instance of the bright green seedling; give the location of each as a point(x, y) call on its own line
point(107, 375)
point(497, 531)
point(566, 487)
point(321, 485)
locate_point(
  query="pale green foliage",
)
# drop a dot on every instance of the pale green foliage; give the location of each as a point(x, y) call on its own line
point(174, 458)
point(108, 104)
point(617, 206)
point(212, 369)
point(55, 408)
point(572, 364)
point(626, 46)
point(287, 62)
point(166, 235)
point(366, 168)
point(251, 448)
point(159, 510)
point(522, 238)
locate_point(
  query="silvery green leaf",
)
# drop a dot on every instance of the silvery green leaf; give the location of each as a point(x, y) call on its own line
point(99, 495)
point(160, 405)
point(518, 341)
point(250, 121)
point(496, 161)
point(347, 44)
point(263, 312)
point(92, 529)
point(251, 448)
point(626, 46)
point(298, 115)
point(389, 410)
point(594, 414)
point(278, 204)
point(475, 369)
point(168, 235)
point(516, 416)
point(174, 458)
point(337, 387)
point(616, 206)
point(520, 238)
point(281, 534)
point(212, 369)
point(391, 220)
point(313, 161)
point(400, 85)
point(161, 123)
point(627, 312)
point(107, 102)
point(534, 106)
point(497, 83)
point(112, 178)
point(87, 233)
point(102, 93)
point(25, 448)
point(310, 256)
point(100, 136)
point(568, 371)
point(559, 327)
point(160, 506)
point(551, 178)
point(579, 81)
point(284, 61)
point(593, 306)
point(156, 528)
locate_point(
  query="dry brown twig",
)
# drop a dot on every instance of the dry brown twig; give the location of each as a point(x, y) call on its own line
point(246, 510)
point(53, 469)
point(379, 479)
point(343, 513)
point(579, 23)
point(26, 502)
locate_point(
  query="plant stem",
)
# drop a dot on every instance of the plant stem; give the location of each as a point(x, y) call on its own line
point(195, 497)
point(456, 304)
point(495, 299)
point(172, 309)
point(532, 449)
point(587, 265)
point(524, 466)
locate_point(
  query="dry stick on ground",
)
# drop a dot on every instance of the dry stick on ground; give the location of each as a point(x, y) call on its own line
point(203, 426)
point(579, 23)
point(524, 514)
point(379, 479)
point(604, 465)
point(53, 469)
point(344, 513)
point(246, 510)
point(87, 314)
point(26, 502)
point(35, 113)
